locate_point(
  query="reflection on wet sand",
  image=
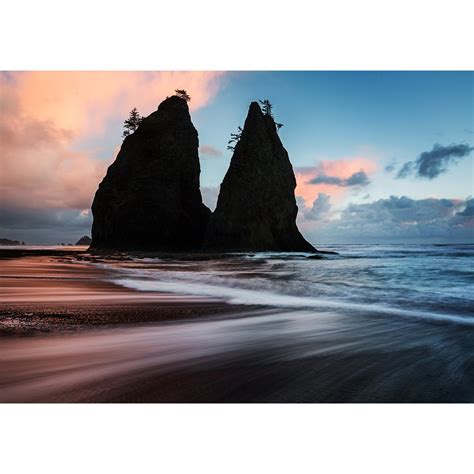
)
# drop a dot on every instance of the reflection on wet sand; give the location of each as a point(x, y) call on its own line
point(255, 356)
point(390, 327)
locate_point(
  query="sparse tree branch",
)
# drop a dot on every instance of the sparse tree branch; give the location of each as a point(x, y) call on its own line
point(234, 138)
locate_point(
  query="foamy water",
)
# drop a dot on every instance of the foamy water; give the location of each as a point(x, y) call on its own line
point(425, 282)
point(374, 323)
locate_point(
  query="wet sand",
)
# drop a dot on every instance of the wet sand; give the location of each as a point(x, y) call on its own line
point(258, 356)
point(54, 291)
point(70, 335)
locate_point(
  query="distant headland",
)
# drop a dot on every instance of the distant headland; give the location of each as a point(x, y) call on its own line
point(84, 240)
point(11, 242)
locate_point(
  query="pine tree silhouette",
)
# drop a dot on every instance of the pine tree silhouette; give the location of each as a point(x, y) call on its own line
point(132, 123)
point(182, 94)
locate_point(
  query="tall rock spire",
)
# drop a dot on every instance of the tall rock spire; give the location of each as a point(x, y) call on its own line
point(256, 209)
point(150, 197)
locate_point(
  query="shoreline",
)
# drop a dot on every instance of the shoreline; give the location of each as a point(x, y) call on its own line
point(68, 333)
point(42, 293)
point(88, 253)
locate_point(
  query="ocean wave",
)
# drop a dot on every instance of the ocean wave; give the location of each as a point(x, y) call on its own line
point(244, 296)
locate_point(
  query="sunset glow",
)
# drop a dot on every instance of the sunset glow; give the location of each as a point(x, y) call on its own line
point(59, 131)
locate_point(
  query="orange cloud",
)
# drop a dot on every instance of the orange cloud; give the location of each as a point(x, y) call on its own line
point(343, 169)
point(206, 151)
point(84, 100)
point(43, 113)
point(39, 170)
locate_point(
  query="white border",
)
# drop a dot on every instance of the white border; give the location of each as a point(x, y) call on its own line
point(388, 439)
point(248, 34)
point(253, 35)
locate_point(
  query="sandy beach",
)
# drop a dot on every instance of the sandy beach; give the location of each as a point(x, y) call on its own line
point(70, 333)
point(43, 292)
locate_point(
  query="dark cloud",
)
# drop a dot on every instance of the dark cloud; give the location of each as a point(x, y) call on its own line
point(398, 218)
point(320, 209)
point(359, 178)
point(324, 179)
point(468, 211)
point(431, 164)
point(406, 169)
point(44, 226)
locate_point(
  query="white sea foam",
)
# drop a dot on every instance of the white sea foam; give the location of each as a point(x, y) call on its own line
point(244, 296)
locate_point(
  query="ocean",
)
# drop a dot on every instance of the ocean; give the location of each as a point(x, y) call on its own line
point(434, 283)
point(375, 323)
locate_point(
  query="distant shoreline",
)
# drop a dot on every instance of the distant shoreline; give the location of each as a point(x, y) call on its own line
point(14, 253)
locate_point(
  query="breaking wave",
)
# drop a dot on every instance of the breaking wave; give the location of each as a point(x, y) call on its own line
point(243, 296)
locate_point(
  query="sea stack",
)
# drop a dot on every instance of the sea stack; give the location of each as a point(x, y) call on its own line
point(150, 197)
point(84, 240)
point(256, 209)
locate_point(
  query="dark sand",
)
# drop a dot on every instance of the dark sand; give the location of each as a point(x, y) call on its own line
point(55, 291)
point(69, 335)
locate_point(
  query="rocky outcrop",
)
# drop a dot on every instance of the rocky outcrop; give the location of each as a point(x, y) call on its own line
point(84, 240)
point(10, 242)
point(150, 197)
point(256, 209)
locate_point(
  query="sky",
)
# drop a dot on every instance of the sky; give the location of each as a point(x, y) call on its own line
point(379, 157)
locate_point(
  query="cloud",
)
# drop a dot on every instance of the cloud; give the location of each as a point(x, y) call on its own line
point(320, 208)
point(391, 166)
point(468, 211)
point(48, 118)
point(44, 226)
point(84, 101)
point(324, 179)
point(20, 218)
point(208, 151)
point(431, 164)
point(40, 168)
point(359, 178)
point(333, 177)
point(398, 218)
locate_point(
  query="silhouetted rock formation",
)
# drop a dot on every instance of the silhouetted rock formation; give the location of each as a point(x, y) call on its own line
point(256, 209)
point(84, 240)
point(11, 242)
point(150, 197)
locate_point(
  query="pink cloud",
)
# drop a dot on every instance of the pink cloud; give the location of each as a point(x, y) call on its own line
point(85, 100)
point(43, 113)
point(209, 151)
point(343, 168)
point(39, 170)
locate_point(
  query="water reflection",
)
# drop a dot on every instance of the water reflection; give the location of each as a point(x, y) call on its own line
point(256, 356)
